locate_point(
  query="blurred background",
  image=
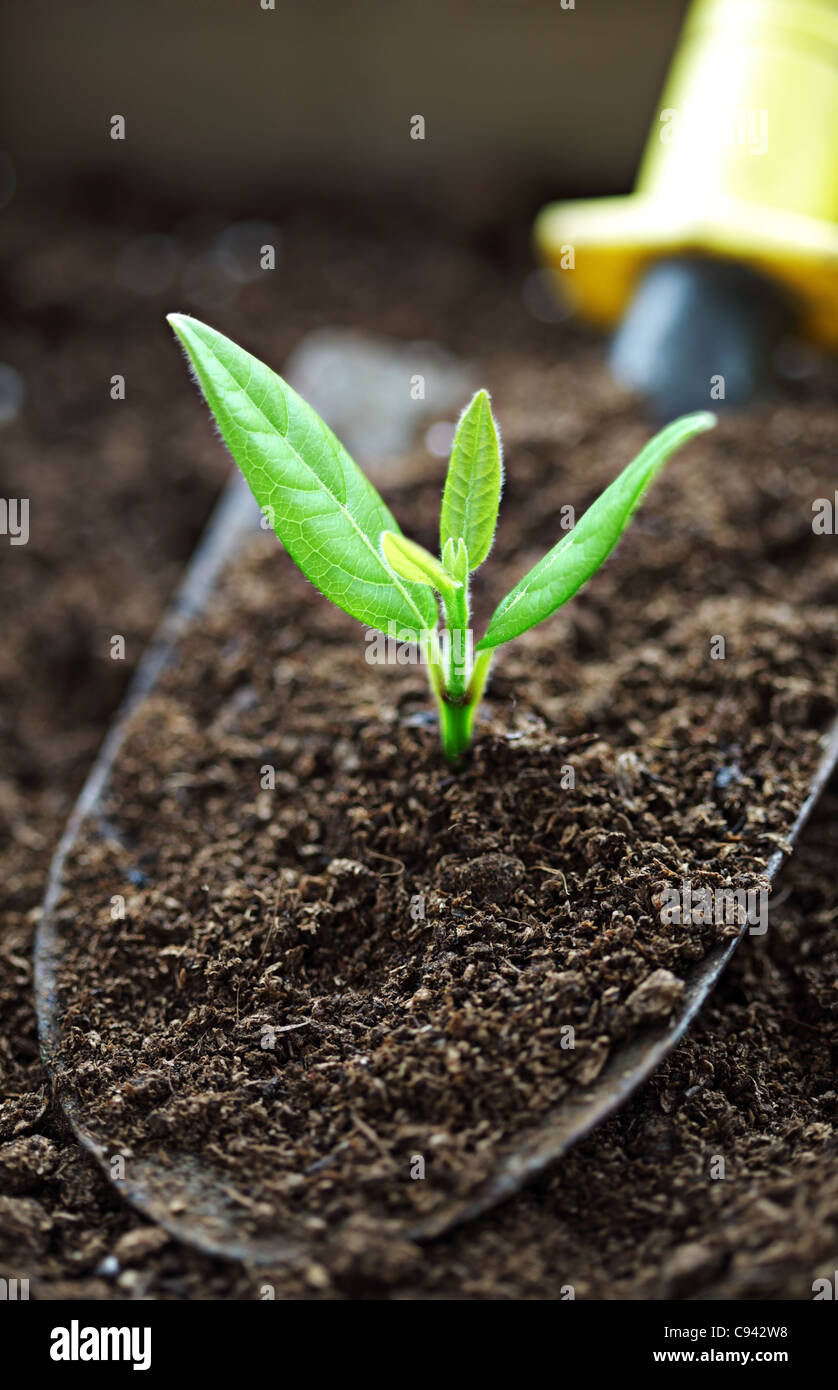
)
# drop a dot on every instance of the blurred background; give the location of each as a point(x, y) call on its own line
point(230, 104)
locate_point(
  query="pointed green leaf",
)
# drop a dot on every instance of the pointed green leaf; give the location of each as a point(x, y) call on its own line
point(325, 512)
point(580, 553)
point(413, 562)
point(471, 497)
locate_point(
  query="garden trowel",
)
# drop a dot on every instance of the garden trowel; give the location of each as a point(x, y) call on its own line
point(730, 239)
point(177, 1190)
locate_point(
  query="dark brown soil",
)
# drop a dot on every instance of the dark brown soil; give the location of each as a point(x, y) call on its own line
point(119, 499)
point(272, 1004)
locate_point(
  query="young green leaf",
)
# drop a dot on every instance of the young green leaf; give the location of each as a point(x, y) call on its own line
point(471, 497)
point(327, 515)
point(455, 559)
point(414, 562)
point(343, 537)
point(580, 553)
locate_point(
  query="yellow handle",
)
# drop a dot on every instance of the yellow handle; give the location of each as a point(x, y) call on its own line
point(750, 108)
point(741, 162)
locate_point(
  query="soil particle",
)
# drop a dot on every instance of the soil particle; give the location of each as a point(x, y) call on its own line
point(690, 1268)
point(656, 997)
point(135, 1246)
point(24, 1228)
point(25, 1162)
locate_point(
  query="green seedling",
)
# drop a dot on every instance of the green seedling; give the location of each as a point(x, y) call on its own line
point(338, 530)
